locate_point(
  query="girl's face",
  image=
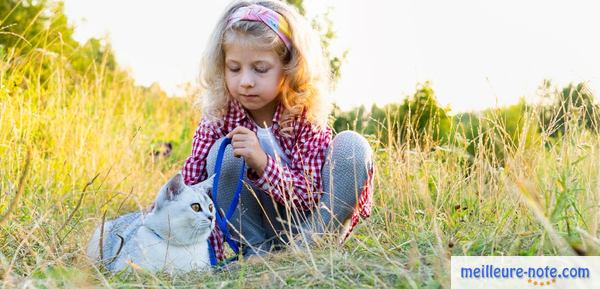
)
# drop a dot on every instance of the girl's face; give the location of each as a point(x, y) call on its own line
point(254, 76)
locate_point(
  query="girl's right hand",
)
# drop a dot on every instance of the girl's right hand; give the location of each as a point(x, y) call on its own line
point(245, 144)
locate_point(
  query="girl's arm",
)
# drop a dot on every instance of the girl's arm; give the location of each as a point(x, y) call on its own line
point(299, 183)
point(194, 169)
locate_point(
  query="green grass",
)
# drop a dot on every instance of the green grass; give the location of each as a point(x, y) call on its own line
point(90, 143)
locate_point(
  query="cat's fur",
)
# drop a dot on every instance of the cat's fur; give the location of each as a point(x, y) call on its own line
point(172, 237)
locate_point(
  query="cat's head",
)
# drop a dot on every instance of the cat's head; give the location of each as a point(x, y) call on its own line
point(183, 214)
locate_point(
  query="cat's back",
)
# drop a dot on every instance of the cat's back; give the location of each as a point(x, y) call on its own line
point(114, 234)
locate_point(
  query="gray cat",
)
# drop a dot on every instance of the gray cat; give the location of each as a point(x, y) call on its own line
point(172, 237)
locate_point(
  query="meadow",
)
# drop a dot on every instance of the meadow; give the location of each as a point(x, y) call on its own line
point(75, 148)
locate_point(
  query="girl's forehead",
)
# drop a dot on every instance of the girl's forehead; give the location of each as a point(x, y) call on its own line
point(244, 52)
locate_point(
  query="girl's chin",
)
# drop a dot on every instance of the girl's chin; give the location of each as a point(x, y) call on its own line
point(252, 108)
point(252, 102)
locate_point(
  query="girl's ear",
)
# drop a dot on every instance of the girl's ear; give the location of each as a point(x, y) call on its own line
point(170, 191)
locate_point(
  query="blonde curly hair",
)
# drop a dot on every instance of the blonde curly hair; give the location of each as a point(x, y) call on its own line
point(305, 70)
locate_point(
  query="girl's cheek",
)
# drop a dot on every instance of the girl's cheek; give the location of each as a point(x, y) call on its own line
point(230, 79)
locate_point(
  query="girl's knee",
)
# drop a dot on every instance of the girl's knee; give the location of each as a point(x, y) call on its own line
point(351, 145)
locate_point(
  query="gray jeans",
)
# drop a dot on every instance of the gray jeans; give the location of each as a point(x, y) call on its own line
point(259, 222)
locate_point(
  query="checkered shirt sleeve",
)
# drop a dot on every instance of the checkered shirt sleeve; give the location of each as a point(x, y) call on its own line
point(300, 182)
point(194, 169)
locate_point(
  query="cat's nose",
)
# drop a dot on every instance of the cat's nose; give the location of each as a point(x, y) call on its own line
point(210, 217)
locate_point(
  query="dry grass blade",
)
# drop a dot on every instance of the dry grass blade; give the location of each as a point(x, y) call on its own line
point(20, 189)
point(76, 206)
point(101, 240)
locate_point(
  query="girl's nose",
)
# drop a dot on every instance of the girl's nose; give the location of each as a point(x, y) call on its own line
point(247, 81)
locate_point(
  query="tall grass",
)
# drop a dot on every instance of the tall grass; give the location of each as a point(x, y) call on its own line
point(77, 129)
point(90, 142)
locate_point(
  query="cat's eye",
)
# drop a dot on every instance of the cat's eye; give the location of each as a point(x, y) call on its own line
point(210, 207)
point(196, 207)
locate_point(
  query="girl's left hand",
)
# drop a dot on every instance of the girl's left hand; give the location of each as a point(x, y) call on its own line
point(245, 144)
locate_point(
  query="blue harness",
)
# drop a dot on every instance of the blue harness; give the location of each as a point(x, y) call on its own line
point(223, 219)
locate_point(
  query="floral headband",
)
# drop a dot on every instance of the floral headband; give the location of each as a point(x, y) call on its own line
point(274, 20)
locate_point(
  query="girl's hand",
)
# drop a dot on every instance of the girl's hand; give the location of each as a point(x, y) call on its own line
point(246, 145)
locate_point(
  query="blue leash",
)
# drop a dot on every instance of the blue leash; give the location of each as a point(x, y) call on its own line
point(222, 220)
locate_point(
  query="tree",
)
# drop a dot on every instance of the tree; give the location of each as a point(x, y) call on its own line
point(324, 25)
point(419, 120)
point(20, 21)
point(573, 107)
point(38, 33)
point(426, 119)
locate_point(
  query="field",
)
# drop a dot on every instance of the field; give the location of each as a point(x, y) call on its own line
point(73, 149)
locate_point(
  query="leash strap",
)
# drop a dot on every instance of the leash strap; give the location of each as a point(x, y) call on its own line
point(223, 220)
point(211, 254)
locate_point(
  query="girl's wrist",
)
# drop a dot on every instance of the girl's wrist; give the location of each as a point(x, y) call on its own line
point(260, 163)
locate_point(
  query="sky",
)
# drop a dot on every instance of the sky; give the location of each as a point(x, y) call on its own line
point(477, 54)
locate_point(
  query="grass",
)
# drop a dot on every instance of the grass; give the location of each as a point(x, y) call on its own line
point(73, 149)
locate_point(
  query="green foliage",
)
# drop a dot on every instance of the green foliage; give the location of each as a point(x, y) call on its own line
point(324, 25)
point(38, 32)
point(495, 133)
point(299, 4)
point(419, 120)
point(21, 21)
point(572, 106)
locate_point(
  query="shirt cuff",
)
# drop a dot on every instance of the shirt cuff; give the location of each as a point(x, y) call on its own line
point(262, 182)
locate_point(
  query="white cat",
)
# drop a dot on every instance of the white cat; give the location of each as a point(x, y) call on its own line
point(172, 237)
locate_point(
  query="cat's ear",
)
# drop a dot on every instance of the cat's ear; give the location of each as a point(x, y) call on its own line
point(170, 190)
point(174, 187)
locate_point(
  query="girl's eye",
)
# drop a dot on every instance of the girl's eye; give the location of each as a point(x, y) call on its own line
point(210, 207)
point(233, 69)
point(196, 207)
point(261, 69)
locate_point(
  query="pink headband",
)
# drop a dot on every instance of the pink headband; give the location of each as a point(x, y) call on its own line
point(274, 20)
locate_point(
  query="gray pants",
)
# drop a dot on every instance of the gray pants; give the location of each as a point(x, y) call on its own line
point(259, 222)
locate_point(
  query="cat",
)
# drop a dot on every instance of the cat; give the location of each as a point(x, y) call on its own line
point(172, 237)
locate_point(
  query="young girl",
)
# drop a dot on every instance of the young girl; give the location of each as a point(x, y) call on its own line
point(265, 77)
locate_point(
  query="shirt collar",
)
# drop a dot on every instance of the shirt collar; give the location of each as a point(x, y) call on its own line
point(236, 111)
point(278, 112)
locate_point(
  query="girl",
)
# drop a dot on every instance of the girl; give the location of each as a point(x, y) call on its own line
point(265, 76)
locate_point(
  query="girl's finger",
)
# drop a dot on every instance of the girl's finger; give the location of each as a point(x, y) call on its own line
point(238, 138)
point(239, 144)
point(244, 130)
point(239, 152)
point(232, 133)
point(238, 130)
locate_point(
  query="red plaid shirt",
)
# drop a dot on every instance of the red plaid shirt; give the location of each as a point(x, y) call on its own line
point(298, 183)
